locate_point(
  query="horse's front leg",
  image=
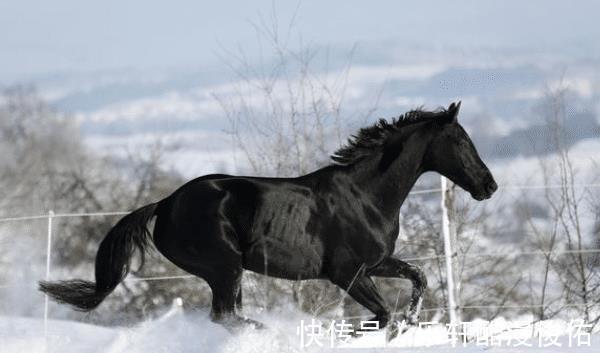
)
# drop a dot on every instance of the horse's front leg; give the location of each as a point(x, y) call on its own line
point(396, 268)
point(352, 278)
point(363, 290)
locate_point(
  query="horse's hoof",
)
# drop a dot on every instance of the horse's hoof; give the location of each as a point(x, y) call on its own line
point(254, 324)
point(392, 332)
point(398, 328)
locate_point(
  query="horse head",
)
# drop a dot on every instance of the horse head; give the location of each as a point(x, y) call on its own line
point(452, 154)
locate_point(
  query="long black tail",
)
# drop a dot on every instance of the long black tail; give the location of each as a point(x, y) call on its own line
point(112, 262)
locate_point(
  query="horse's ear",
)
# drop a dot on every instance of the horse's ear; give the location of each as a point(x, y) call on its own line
point(451, 114)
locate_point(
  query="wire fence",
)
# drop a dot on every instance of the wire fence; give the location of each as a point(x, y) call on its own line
point(51, 216)
point(504, 254)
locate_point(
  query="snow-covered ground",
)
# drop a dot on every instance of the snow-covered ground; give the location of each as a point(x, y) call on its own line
point(180, 332)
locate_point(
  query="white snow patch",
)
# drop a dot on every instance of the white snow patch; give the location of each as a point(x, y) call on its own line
point(177, 331)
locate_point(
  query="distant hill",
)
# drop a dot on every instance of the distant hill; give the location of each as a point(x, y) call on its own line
point(539, 139)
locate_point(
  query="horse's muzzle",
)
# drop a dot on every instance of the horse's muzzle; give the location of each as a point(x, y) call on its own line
point(487, 190)
point(489, 187)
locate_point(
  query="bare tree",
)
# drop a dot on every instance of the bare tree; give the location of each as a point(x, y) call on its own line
point(569, 278)
point(575, 268)
point(285, 116)
point(46, 166)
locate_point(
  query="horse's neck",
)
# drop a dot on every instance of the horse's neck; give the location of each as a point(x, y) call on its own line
point(390, 188)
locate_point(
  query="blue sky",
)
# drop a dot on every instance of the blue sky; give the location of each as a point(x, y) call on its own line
point(63, 36)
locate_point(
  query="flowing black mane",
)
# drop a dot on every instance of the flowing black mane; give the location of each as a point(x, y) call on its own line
point(371, 138)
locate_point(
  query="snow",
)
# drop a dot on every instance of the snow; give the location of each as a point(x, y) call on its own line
point(177, 331)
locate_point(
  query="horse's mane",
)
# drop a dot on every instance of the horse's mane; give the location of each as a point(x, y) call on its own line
point(371, 138)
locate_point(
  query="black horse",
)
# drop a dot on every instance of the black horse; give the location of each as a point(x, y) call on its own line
point(338, 223)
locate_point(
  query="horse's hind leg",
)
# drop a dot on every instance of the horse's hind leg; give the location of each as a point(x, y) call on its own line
point(212, 256)
point(225, 284)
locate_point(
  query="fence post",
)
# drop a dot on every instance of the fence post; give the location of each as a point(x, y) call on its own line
point(447, 231)
point(48, 253)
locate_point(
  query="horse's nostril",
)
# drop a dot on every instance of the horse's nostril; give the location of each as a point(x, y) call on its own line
point(491, 186)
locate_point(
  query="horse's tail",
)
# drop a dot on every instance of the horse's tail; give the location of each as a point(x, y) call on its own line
point(112, 262)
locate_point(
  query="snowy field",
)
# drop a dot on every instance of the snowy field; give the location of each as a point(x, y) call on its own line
point(179, 332)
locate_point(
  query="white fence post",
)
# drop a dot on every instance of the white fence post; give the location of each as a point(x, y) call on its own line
point(48, 253)
point(447, 230)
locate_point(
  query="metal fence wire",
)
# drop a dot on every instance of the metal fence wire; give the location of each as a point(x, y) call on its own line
point(448, 256)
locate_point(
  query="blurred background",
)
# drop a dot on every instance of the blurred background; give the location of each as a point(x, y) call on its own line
point(111, 105)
